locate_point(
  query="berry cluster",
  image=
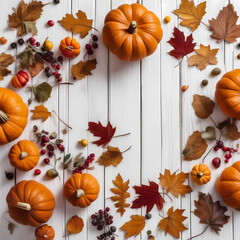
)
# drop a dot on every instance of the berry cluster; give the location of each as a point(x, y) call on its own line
point(88, 161)
point(91, 45)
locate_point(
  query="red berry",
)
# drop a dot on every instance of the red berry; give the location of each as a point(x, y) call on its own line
point(110, 217)
point(227, 156)
point(53, 65)
point(229, 149)
point(37, 172)
point(87, 46)
point(50, 147)
point(43, 144)
point(45, 139)
point(92, 155)
point(93, 216)
point(230, 155)
point(58, 67)
point(46, 132)
point(94, 38)
point(109, 222)
point(225, 149)
point(58, 75)
point(216, 162)
point(61, 147)
point(33, 44)
point(235, 150)
point(107, 209)
point(54, 73)
point(226, 161)
point(89, 51)
point(100, 212)
point(59, 79)
point(43, 151)
point(95, 45)
point(50, 23)
point(216, 148)
point(60, 58)
point(46, 160)
point(220, 144)
point(37, 44)
point(31, 40)
point(50, 153)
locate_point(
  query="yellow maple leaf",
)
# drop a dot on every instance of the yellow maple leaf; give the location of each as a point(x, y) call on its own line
point(41, 112)
point(121, 194)
point(172, 224)
point(112, 156)
point(134, 226)
point(81, 24)
point(190, 14)
point(204, 56)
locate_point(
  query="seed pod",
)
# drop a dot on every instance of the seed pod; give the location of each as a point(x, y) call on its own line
point(184, 88)
point(204, 82)
point(215, 71)
point(238, 56)
point(52, 173)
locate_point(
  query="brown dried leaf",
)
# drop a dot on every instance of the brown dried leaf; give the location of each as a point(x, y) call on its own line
point(75, 225)
point(36, 68)
point(5, 61)
point(41, 112)
point(195, 147)
point(83, 69)
point(229, 130)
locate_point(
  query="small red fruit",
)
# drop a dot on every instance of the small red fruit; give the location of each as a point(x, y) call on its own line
point(89, 51)
point(59, 79)
point(88, 46)
point(107, 209)
point(216, 162)
point(226, 161)
point(95, 45)
point(32, 40)
point(37, 172)
point(61, 147)
point(46, 160)
point(220, 144)
point(43, 151)
point(37, 44)
point(58, 67)
point(216, 148)
point(94, 38)
point(225, 149)
point(92, 155)
point(50, 23)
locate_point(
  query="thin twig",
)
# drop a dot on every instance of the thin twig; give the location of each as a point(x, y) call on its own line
point(213, 122)
point(199, 233)
point(121, 135)
point(64, 83)
point(61, 119)
point(127, 149)
point(205, 24)
point(208, 153)
point(166, 195)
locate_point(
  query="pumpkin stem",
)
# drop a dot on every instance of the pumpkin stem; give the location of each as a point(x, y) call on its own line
point(24, 206)
point(3, 116)
point(79, 193)
point(199, 174)
point(132, 27)
point(22, 155)
point(45, 236)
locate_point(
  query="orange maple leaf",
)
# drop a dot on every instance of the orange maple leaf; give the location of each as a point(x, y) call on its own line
point(41, 112)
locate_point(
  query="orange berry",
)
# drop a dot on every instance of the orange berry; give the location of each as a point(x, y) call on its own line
point(184, 88)
point(3, 40)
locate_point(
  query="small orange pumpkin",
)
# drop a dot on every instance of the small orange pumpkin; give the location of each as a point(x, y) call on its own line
point(30, 203)
point(201, 174)
point(24, 155)
point(20, 80)
point(228, 185)
point(45, 232)
point(81, 189)
point(69, 47)
point(132, 32)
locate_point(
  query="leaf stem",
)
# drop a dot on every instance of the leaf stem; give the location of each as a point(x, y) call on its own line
point(208, 153)
point(163, 193)
point(213, 121)
point(64, 83)
point(61, 119)
point(127, 149)
point(161, 215)
point(199, 233)
point(121, 135)
point(205, 24)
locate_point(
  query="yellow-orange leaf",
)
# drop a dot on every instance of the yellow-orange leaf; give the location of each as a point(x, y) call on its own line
point(173, 223)
point(41, 112)
point(121, 194)
point(174, 183)
point(75, 225)
point(134, 226)
point(112, 156)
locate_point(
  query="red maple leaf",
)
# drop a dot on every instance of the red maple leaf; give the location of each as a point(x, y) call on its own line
point(181, 47)
point(148, 196)
point(105, 133)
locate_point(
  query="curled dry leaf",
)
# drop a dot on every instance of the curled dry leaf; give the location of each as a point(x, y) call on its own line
point(224, 27)
point(190, 14)
point(204, 57)
point(36, 68)
point(195, 147)
point(174, 183)
point(27, 58)
point(209, 134)
point(41, 112)
point(134, 226)
point(5, 61)
point(203, 106)
point(75, 225)
point(173, 223)
point(11, 227)
point(121, 194)
point(42, 92)
point(229, 130)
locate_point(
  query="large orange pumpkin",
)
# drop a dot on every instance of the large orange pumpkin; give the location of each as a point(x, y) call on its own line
point(69, 47)
point(228, 93)
point(24, 155)
point(45, 232)
point(30, 203)
point(228, 185)
point(81, 189)
point(132, 32)
point(13, 115)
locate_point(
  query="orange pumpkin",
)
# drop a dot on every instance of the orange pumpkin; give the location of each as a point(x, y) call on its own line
point(81, 189)
point(24, 155)
point(13, 115)
point(228, 93)
point(30, 203)
point(69, 47)
point(132, 32)
point(45, 232)
point(20, 80)
point(201, 174)
point(228, 185)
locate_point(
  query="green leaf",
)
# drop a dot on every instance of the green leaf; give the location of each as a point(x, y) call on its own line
point(79, 161)
point(31, 27)
point(42, 92)
point(27, 58)
point(209, 134)
point(66, 157)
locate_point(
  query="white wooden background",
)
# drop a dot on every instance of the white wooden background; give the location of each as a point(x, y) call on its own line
point(143, 98)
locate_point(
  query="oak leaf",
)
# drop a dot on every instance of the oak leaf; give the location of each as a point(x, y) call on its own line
point(121, 194)
point(204, 57)
point(229, 130)
point(173, 223)
point(148, 196)
point(105, 133)
point(203, 106)
point(224, 27)
point(195, 147)
point(81, 24)
point(5, 61)
point(24, 17)
point(36, 68)
point(190, 14)
point(75, 225)
point(210, 213)
point(134, 226)
point(174, 183)
point(83, 69)
point(41, 112)
point(181, 46)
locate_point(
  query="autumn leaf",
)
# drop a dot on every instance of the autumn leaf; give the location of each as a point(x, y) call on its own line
point(27, 58)
point(190, 14)
point(134, 226)
point(148, 196)
point(24, 17)
point(173, 223)
point(195, 147)
point(11, 227)
point(209, 134)
point(36, 68)
point(112, 156)
point(81, 24)
point(181, 46)
point(121, 194)
point(5, 61)
point(204, 57)
point(203, 106)
point(83, 69)
point(105, 133)
point(75, 225)
point(42, 91)
point(210, 213)
point(174, 183)
point(229, 130)
point(224, 27)
point(41, 112)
